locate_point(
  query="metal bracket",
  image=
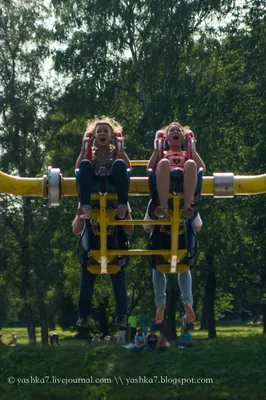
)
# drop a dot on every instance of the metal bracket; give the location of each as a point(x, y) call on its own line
point(54, 186)
point(223, 184)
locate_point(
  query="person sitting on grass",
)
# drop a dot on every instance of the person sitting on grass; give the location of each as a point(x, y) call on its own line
point(161, 345)
point(13, 340)
point(152, 340)
point(185, 338)
point(109, 339)
point(54, 338)
point(96, 339)
point(139, 342)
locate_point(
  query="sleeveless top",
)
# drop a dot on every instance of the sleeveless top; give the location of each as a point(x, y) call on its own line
point(106, 160)
point(177, 158)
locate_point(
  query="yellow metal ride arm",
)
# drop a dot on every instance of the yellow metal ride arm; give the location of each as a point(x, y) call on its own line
point(54, 186)
point(219, 185)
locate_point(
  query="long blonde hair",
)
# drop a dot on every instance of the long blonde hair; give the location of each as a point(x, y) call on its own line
point(94, 122)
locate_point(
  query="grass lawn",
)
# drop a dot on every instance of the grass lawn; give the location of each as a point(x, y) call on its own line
point(234, 367)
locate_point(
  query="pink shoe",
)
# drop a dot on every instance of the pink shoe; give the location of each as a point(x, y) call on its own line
point(190, 315)
point(160, 314)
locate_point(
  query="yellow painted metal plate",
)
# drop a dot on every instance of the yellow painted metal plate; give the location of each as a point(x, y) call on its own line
point(96, 269)
point(165, 268)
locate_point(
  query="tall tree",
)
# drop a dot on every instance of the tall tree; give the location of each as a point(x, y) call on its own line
point(23, 49)
point(119, 51)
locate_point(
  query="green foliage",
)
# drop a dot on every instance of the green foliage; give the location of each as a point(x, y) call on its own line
point(223, 304)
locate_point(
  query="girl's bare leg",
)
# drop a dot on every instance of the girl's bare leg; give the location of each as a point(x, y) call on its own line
point(160, 314)
point(163, 184)
point(190, 183)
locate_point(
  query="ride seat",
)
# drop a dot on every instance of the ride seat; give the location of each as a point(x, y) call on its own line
point(90, 239)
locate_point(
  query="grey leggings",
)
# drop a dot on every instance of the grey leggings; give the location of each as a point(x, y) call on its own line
point(159, 285)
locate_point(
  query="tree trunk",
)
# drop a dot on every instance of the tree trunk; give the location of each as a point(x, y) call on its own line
point(103, 320)
point(31, 334)
point(26, 261)
point(51, 323)
point(208, 317)
point(44, 323)
point(204, 320)
point(263, 290)
point(30, 324)
point(169, 327)
point(211, 288)
point(264, 317)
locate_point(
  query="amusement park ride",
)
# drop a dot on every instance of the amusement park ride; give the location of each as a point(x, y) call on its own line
point(54, 187)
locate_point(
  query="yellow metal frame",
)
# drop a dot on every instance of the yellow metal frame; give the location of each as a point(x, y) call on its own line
point(139, 186)
point(243, 185)
point(104, 256)
point(23, 186)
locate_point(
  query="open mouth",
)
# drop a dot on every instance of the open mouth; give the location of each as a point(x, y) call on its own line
point(102, 138)
point(176, 137)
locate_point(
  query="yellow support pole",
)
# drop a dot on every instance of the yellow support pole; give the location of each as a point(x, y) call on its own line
point(175, 233)
point(103, 235)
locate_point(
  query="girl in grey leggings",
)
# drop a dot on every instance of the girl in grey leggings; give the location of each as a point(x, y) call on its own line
point(184, 282)
point(185, 286)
